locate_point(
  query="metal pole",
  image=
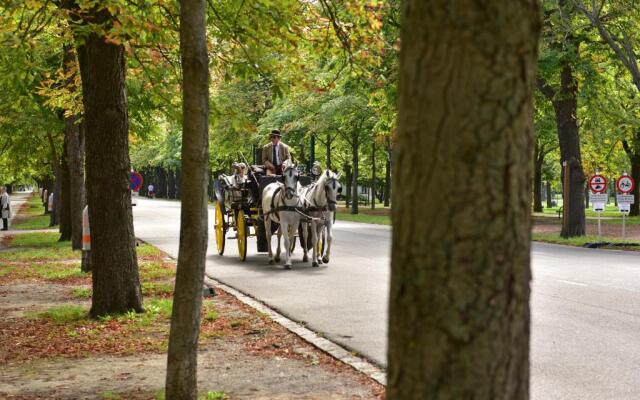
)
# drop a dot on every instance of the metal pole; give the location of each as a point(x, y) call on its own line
point(599, 228)
point(623, 225)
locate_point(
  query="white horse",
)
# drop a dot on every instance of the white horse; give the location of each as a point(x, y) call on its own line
point(279, 204)
point(319, 201)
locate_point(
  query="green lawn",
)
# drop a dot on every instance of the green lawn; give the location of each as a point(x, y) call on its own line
point(365, 218)
point(582, 240)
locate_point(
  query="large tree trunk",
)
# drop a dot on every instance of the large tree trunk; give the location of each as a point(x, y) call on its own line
point(548, 193)
point(185, 320)
point(537, 180)
point(348, 179)
point(75, 153)
point(459, 300)
point(355, 148)
point(116, 283)
point(565, 104)
point(65, 196)
point(566, 110)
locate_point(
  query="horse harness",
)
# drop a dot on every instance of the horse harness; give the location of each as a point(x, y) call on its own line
point(297, 209)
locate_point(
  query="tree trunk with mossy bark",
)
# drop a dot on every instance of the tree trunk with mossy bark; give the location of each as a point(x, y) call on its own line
point(185, 319)
point(459, 319)
point(116, 282)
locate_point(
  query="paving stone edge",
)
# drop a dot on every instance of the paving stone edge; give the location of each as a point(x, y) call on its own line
point(329, 347)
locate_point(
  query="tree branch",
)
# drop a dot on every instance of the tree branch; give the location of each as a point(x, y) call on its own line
point(547, 90)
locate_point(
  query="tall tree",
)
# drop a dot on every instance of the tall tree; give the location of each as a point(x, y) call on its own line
point(185, 319)
point(564, 46)
point(74, 142)
point(459, 301)
point(116, 282)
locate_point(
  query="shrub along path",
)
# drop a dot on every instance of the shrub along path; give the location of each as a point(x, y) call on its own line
point(49, 348)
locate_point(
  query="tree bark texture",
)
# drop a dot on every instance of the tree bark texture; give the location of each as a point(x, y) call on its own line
point(537, 179)
point(116, 283)
point(65, 196)
point(185, 320)
point(75, 153)
point(549, 197)
point(459, 319)
point(566, 111)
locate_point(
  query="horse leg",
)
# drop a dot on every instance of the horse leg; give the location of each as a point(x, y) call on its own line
point(305, 238)
point(314, 240)
point(328, 240)
point(279, 237)
point(267, 229)
point(287, 242)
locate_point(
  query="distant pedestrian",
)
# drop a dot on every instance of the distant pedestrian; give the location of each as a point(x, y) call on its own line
point(151, 190)
point(5, 208)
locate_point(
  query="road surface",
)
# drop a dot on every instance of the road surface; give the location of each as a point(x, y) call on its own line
point(585, 303)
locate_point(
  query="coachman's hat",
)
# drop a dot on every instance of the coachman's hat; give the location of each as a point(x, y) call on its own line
point(276, 132)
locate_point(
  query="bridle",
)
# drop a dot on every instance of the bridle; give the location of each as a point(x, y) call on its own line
point(291, 192)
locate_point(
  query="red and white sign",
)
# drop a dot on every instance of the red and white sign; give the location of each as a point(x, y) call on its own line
point(598, 184)
point(625, 184)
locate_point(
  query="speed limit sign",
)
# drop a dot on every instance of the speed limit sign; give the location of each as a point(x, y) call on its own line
point(625, 184)
point(598, 184)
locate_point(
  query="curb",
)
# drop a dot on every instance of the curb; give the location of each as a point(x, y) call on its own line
point(334, 350)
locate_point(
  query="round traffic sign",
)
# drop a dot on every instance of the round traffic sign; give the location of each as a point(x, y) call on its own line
point(598, 184)
point(625, 184)
point(136, 181)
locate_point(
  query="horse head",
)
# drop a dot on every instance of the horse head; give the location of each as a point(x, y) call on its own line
point(291, 177)
point(330, 183)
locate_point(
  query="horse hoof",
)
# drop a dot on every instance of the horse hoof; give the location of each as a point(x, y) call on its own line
point(271, 262)
point(314, 264)
point(278, 259)
point(305, 259)
point(319, 261)
point(287, 266)
point(325, 260)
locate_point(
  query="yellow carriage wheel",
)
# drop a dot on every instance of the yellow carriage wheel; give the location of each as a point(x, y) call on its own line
point(241, 230)
point(219, 229)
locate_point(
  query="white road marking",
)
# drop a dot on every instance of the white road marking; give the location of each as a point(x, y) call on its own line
point(571, 282)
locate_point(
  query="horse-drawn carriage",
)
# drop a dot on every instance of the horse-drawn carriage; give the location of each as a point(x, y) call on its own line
point(241, 207)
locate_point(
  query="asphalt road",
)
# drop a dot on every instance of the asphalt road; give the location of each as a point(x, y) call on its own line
point(585, 304)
